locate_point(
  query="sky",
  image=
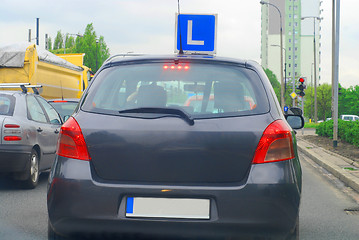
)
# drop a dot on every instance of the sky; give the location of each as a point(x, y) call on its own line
point(148, 26)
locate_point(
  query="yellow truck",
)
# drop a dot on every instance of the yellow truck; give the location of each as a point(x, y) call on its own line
point(26, 63)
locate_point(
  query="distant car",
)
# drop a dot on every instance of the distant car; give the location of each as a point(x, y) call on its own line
point(29, 131)
point(150, 152)
point(349, 117)
point(65, 107)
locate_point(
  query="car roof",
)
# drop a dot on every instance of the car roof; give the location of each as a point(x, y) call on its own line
point(13, 93)
point(211, 58)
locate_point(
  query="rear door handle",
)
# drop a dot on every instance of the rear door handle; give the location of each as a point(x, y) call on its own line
point(39, 129)
point(56, 131)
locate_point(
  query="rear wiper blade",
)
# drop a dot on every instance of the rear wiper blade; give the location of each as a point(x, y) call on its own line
point(172, 111)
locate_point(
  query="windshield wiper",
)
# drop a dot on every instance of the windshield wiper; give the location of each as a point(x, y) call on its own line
point(173, 111)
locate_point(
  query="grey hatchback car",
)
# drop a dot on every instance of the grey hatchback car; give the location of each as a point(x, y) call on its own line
point(29, 128)
point(135, 159)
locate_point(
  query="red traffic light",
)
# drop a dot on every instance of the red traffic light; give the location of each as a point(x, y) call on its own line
point(301, 80)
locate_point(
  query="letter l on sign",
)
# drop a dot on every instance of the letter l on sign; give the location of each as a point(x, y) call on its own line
point(190, 41)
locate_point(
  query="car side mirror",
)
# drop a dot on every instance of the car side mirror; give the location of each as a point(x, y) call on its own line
point(295, 121)
point(66, 117)
point(55, 121)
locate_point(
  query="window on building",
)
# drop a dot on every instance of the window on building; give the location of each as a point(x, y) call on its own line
point(290, 15)
point(289, 57)
point(290, 40)
point(296, 49)
point(290, 24)
point(289, 49)
point(295, 65)
point(295, 56)
point(289, 73)
point(289, 65)
point(295, 16)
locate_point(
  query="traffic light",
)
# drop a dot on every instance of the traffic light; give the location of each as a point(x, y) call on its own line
point(301, 86)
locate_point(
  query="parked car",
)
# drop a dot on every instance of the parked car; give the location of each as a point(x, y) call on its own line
point(29, 131)
point(65, 107)
point(133, 160)
point(349, 117)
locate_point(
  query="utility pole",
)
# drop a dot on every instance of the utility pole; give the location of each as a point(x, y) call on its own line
point(315, 76)
point(335, 67)
point(315, 67)
point(37, 30)
point(293, 53)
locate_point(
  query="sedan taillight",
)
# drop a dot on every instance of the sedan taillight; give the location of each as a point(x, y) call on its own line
point(71, 142)
point(276, 144)
point(12, 138)
point(12, 131)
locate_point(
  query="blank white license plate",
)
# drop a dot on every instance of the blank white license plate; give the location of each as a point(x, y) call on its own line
point(168, 207)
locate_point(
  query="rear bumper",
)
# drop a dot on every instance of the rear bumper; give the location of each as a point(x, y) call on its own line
point(268, 203)
point(14, 158)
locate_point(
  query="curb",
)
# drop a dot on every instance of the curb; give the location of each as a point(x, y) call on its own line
point(330, 161)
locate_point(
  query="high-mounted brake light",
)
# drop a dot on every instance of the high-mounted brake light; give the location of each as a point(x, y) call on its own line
point(275, 145)
point(59, 101)
point(174, 67)
point(71, 142)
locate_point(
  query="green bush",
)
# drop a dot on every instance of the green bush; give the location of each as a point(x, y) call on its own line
point(310, 125)
point(347, 130)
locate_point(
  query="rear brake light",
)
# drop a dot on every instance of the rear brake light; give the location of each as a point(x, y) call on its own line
point(11, 126)
point(178, 67)
point(12, 138)
point(276, 144)
point(71, 142)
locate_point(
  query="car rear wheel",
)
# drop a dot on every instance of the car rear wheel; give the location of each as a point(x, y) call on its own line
point(51, 235)
point(295, 234)
point(32, 171)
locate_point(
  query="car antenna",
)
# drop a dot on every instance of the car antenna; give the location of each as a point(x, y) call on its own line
point(179, 27)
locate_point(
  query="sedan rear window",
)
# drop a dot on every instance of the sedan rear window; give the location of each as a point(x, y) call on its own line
point(7, 103)
point(202, 90)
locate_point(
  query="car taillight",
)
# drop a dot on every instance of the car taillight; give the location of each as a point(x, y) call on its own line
point(71, 142)
point(12, 129)
point(12, 138)
point(275, 145)
point(11, 126)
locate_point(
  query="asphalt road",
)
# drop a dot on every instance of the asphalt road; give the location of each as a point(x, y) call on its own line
point(23, 213)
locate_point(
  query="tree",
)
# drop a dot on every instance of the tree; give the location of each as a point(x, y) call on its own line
point(274, 82)
point(324, 100)
point(59, 40)
point(95, 48)
point(69, 42)
point(349, 100)
point(309, 102)
point(50, 44)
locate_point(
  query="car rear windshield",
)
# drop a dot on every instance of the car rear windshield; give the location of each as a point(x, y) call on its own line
point(7, 103)
point(64, 108)
point(202, 90)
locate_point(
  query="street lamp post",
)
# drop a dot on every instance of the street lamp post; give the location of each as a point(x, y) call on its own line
point(97, 41)
point(285, 68)
point(281, 53)
point(315, 69)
